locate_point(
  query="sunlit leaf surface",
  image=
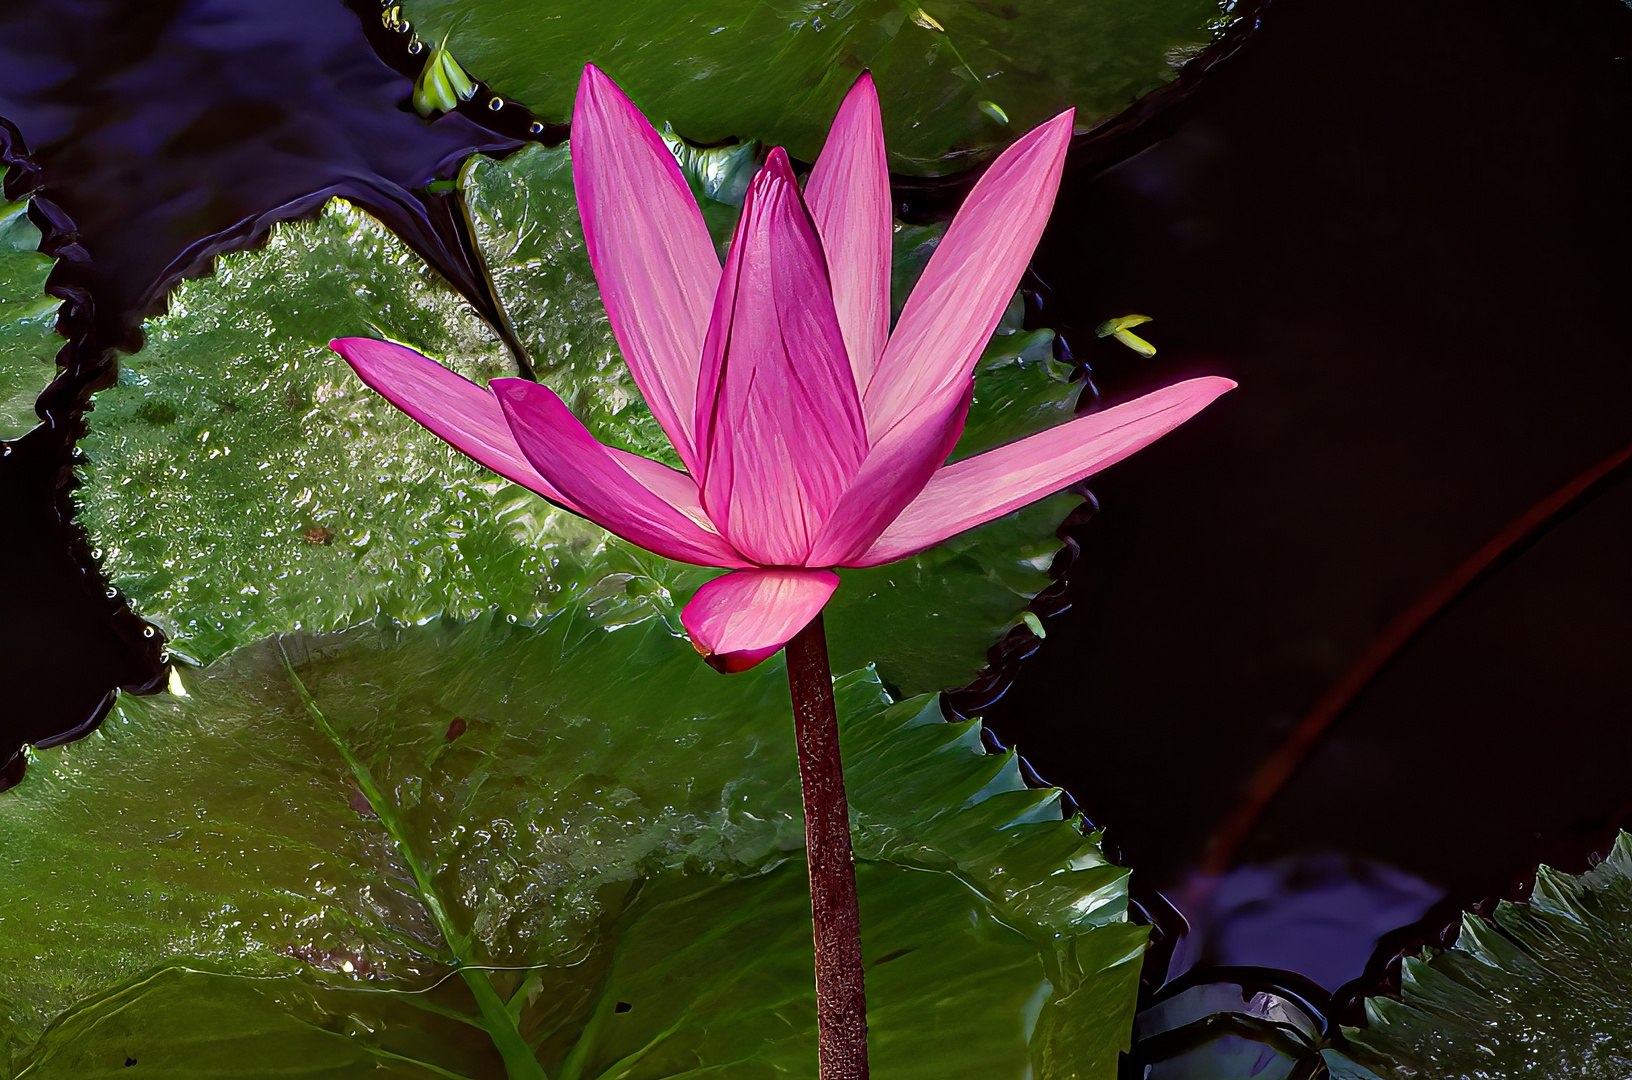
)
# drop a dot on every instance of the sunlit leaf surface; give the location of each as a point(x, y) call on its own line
point(1541, 989)
point(958, 79)
point(592, 804)
point(28, 339)
point(241, 481)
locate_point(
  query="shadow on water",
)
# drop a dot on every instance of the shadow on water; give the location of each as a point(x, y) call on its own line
point(1399, 225)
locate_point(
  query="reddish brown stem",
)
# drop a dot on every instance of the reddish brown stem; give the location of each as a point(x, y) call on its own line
point(841, 999)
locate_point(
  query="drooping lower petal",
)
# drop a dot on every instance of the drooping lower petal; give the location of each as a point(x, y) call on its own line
point(660, 513)
point(989, 485)
point(456, 410)
point(778, 418)
point(738, 620)
point(848, 193)
point(969, 280)
point(649, 248)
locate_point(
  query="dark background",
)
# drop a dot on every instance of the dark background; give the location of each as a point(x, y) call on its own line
point(1402, 226)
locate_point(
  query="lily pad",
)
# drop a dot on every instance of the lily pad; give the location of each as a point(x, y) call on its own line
point(335, 848)
point(241, 481)
point(1540, 988)
point(958, 79)
point(28, 338)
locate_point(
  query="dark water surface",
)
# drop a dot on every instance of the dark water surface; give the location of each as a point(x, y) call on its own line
point(1401, 226)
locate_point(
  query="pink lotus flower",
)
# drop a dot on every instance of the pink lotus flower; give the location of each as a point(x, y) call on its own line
point(813, 436)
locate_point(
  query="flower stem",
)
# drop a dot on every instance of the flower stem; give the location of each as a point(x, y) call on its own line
point(841, 1000)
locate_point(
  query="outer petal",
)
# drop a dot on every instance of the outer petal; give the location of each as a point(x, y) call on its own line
point(651, 252)
point(601, 487)
point(989, 485)
point(967, 284)
point(738, 620)
point(895, 471)
point(849, 196)
point(456, 410)
point(778, 418)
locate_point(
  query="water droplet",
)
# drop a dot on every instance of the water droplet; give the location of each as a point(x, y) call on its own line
point(495, 104)
point(536, 128)
point(148, 631)
point(112, 592)
point(415, 47)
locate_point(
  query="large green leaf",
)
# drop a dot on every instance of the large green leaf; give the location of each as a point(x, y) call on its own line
point(1540, 989)
point(28, 341)
point(178, 1022)
point(320, 834)
point(777, 70)
point(241, 481)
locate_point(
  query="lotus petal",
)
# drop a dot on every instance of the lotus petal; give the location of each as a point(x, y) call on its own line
point(969, 280)
point(848, 193)
point(989, 485)
point(738, 620)
point(649, 248)
point(603, 490)
point(778, 418)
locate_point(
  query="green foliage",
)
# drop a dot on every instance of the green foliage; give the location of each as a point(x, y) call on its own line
point(958, 79)
point(1540, 989)
point(181, 1022)
point(28, 340)
point(303, 866)
point(242, 482)
point(458, 838)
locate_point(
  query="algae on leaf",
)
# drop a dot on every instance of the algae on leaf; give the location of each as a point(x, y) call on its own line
point(958, 79)
point(1540, 989)
point(241, 481)
point(341, 830)
point(28, 338)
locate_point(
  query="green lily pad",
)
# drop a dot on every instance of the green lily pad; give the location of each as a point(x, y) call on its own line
point(241, 481)
point(1539, 989)
point(28, 338)
point(335, 848)
point(958, 79)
